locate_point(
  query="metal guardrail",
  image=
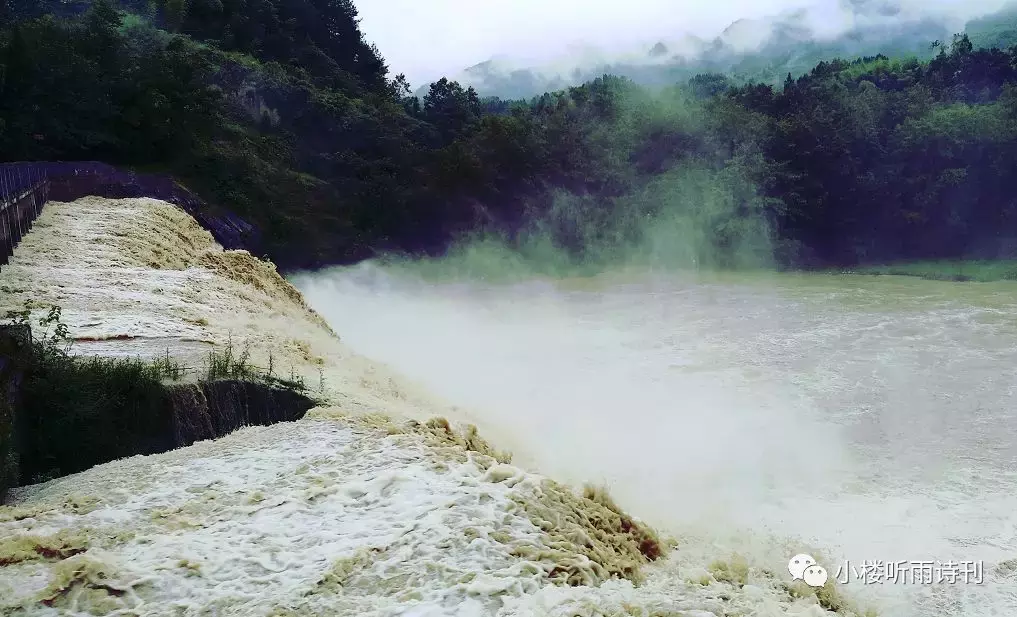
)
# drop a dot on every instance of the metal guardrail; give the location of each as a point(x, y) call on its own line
point(23, 192)
point(26, 186)
point(17, 180)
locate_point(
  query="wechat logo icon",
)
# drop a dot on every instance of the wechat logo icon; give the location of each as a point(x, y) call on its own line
point(804, 568)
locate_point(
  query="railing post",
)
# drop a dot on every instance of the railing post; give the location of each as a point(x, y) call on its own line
point(26, 222)
point(17, 206)
point(4, 230)
point(29, 220)
point(6, 234)
point(8, 229)
point(36, 187)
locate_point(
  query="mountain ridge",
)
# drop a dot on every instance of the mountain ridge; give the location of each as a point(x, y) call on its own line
point(758, 49)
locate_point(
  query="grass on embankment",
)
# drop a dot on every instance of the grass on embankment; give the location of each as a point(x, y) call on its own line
point(75, 412)
point(982, 271)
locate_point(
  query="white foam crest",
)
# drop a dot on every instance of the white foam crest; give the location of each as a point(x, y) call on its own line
point(319, 517)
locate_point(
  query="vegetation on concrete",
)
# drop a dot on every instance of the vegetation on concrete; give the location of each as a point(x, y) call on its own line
point(75, 412)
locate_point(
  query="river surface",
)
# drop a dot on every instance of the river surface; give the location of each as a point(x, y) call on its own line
point(872, 418)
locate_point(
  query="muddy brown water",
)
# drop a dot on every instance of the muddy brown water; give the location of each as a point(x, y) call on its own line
point(871, 417)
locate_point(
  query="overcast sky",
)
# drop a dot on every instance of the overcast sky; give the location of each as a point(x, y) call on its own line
point(426, 39)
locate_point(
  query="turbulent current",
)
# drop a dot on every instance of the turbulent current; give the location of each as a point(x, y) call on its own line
point(749, 419)
point(871, 417)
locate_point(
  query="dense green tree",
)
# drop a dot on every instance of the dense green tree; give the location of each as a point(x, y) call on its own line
point(283, 112)
point(451, 109)
point(706, 85)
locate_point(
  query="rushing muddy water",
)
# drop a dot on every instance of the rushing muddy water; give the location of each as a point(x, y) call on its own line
point(874, 418)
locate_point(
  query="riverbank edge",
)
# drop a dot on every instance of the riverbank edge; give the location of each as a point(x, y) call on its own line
point(967, 271)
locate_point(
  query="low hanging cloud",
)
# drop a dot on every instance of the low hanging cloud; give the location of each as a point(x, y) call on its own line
point(426, 40)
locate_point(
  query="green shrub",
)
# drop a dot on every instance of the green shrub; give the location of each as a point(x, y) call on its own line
point(76, 412)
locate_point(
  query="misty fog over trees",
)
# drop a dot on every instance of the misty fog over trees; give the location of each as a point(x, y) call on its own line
point(283, 112)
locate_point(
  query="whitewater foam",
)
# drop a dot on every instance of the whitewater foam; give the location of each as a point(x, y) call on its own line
point(139, 277)
point(330, 516)
point(343, 513)
point(869, 417)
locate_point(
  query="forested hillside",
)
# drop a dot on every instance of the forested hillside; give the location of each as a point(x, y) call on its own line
point(282, 111)
point(760, 50)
